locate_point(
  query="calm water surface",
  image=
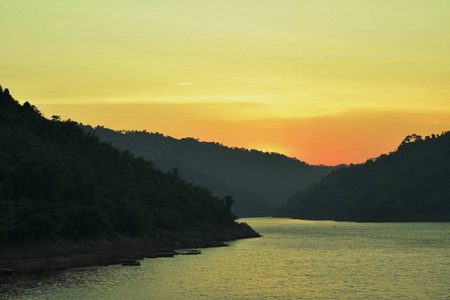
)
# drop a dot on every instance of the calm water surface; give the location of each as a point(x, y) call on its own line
point(294, 259)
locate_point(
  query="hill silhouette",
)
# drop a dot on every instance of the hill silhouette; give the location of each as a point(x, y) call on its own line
point(56, 181)
point(258, 181)
point(410, 184)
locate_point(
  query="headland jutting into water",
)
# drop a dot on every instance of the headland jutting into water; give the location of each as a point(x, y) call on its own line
point(65, 255)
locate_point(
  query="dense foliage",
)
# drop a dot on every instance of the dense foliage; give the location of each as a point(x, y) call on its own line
point(258, 181)
point(410, 184)
point(63, 182)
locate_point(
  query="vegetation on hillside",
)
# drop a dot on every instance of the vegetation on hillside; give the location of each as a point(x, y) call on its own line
point(56, 181)
point(258, 181)
point(410, 184)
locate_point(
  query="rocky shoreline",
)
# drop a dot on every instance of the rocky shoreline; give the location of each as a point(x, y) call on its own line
point(66, 255)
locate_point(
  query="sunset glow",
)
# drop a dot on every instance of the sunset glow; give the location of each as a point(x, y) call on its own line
point(326, 81)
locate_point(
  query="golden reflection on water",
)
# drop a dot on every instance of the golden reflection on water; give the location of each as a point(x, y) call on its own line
point(294, 259)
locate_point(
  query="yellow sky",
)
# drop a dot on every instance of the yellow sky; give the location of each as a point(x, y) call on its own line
point(327, 81)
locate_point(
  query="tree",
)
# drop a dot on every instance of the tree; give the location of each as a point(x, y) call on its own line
point(229, 201)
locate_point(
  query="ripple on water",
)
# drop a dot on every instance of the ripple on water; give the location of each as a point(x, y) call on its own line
point(294, 259)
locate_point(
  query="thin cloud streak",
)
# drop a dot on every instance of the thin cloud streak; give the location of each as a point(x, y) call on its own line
point(185, 83)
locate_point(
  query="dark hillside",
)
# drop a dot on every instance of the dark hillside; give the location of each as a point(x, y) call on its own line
point(259, 181)
point(410, 184)
point(58, 182)
point(246, 204)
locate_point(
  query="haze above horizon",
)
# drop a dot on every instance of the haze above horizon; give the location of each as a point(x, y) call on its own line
point(326, 81)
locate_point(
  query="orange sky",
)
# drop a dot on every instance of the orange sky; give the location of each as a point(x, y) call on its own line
point(350, 137)
point(326, 81)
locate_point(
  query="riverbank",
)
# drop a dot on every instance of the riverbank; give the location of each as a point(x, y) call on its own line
point(64, 255)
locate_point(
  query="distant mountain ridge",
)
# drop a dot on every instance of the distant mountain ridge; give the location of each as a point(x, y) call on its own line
point(258, 181)
point(410, 184)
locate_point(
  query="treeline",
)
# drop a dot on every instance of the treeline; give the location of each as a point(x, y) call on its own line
point(56, 181)
point(410, 184)
point(259, 181)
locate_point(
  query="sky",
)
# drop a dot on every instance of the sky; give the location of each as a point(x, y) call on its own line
point(325, 81)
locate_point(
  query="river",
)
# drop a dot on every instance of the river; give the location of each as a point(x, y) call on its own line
point(295, 259)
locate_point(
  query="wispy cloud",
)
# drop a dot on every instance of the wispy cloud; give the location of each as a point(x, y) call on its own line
point(185, 83)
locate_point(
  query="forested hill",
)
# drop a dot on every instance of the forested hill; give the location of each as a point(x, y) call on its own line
point(259, 181)
point(410, 184)
point(56, 181)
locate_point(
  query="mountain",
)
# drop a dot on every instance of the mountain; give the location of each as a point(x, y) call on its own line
point(258, 181)
point(410, 184)
point(57, 182)
point(246, 204)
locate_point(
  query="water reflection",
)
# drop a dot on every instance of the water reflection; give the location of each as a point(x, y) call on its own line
point(294, 259)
